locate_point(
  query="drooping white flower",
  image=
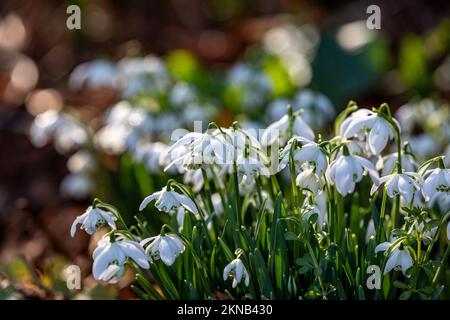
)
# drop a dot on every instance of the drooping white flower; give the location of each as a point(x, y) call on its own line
point(318, 109)
point(143, 74)
point(399, 259)
point(93, 219)
point(309, 153)
point(201, 149)
point(165, 247)
point(236, 270)
point(380, 131)
point(319, 207)
point(67, 133)
point(152, 155)
point(182, 94)
point(387, 164)
point(249, 168)
point(308, 179)
point(370, 232)
point(437, 182)
point(404, 184)
point(194, 178)
point(93, 74)
point(169, 201)
point(346, 171)
point(77, 186)
point(43, 127)
point(279, 130)
point(423, 144)
point(110, 257)
point(81, 161)
point(425, 234)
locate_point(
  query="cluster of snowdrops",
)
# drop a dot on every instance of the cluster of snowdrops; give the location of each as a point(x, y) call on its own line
point(237, 228)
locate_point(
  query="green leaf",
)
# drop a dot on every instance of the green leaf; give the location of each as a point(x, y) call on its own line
point(405, 295)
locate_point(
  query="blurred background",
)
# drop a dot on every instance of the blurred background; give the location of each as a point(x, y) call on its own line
point(164, 64)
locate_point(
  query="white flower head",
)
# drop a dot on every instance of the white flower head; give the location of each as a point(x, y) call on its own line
point(93, 74)
point(249, 168)
point(93, 219)
point(309, 153)
point(152, 155)
point(387, 164)
point(425, 234)
point(200, 150)
point(319, 207)
point(279, 130)
point(346, 171)
point(437, 182)
point(110, 257)
point(165, 247)
point(363, 120)
point(404, 184)
point(169, 201)
point(236, 270)
point(399, 259)
point(308, 179)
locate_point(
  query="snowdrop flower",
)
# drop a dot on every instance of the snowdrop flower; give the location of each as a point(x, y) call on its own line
point(142, 75)
point(404, 184)
point(370, 232)
point(425, 235)
point(110, 257)
point(81, 162)
point(309, 153)
point(165, 247)
point(437, 182)
point(362, 120)
point(152, 155)
point(93, 219)
point(43, 127)
point(254, 86)
point(249, 168)
point(93, 74)
point(78, 186)
point(346, 171)
point(399, 259)
point(387, 164)
point(182, 94)
point(69, 135)
point(65, 131)
point(277, 109)
point(236, 270)
point(194, 178)
point(423, 144)
point(201, 149)
point(308, 179)
point(112, 138)
point(318, 208)
point(279, 130)
point(318, 109)
point(169, 201)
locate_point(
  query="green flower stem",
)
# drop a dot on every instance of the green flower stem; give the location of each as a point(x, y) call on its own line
point(382, 214)
point(237, 194)
point(295, 199)
point(208, 191)
point(442, 266)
